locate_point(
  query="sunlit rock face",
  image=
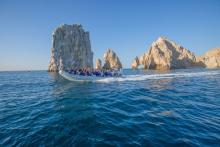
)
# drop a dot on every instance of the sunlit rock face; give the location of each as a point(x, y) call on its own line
point(98, 64)
point(135, 63)
point(165, 54)
point(211, 59)
point(71, 45)
point(112, 61)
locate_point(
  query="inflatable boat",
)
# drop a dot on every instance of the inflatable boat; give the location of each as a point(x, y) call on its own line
point(89, 78)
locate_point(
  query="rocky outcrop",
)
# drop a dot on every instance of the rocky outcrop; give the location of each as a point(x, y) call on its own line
point(111, 60)
point(98, 64)
point(71, 46)
point(211, 59)
point(135, 63)
point(200, 61)
point(165, 54)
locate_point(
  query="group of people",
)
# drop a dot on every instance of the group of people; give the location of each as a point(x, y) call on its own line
point(95, 72)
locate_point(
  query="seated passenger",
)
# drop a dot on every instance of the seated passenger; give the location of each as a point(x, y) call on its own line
point(88, 73)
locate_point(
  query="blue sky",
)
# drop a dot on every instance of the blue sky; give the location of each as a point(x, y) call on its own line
point(127, 26)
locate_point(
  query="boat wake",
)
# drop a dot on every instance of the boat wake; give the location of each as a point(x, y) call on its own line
point(141, 77)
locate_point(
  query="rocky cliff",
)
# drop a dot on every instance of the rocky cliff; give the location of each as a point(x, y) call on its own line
point(71, 47)
point(111, 60)
point(165, 54)
point(135, 63)
point(98, 64)
point(211, 59)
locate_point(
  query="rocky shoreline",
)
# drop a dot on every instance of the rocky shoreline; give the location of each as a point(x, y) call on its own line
point(165, 54)
point(71, 49)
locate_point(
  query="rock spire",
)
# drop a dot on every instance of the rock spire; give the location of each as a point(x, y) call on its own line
point(111, 60)
point(71, 44)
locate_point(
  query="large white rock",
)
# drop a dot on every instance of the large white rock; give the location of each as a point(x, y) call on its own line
point(71, 45)
point(211, 59)
point(111, 60)
point(98, 64)
point(165, 54)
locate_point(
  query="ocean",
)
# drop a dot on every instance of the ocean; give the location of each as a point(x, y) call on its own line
point(143, 108)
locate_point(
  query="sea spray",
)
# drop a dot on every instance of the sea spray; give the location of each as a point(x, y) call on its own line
point(142, 77)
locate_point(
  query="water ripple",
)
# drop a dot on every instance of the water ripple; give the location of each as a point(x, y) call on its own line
point(176, 108)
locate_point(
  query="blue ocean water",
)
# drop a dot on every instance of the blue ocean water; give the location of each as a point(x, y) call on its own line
point(144, 108)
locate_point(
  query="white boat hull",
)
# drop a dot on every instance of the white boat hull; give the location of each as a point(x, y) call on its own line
point(80, 78)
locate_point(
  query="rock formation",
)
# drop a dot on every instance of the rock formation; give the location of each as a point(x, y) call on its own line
point(71, 45)
point(98, 64)
point(111, 60)
point(135, 63)
point(165, 54)
point(211, 59)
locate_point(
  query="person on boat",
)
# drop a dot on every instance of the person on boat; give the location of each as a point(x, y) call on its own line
point(95, 72)
point(107, 73)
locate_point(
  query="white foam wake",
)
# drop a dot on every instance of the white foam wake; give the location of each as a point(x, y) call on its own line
point(141, 77)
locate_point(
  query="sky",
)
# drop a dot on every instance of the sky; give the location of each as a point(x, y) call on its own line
point(127, 26)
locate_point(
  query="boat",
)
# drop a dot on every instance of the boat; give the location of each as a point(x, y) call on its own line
point(89, 78)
